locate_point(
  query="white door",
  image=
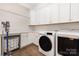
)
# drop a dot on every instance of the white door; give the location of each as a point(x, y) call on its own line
point(64, 12)
point(33, 17)
point(38, 17)
point(54, 13)
point(44, 15)
point(74, 11)
point(41, 15)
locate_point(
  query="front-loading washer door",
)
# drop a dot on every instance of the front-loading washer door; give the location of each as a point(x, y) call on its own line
point(45, 43)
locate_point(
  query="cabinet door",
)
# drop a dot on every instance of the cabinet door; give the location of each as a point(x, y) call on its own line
point(74, 11)
point(44, 15)
point(54, 13)
point(37, 17)
point(33, 17)
point(64, 12)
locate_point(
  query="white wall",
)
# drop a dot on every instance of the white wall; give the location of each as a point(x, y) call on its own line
point(17, 15)
point(15, 8)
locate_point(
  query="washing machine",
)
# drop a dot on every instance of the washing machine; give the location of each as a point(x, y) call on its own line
point(67, 43)
point(46, 43)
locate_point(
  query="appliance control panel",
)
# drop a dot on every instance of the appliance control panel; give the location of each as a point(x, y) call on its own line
point(48, 33)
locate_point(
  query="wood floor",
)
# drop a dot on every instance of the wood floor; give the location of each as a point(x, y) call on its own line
point(30, 50)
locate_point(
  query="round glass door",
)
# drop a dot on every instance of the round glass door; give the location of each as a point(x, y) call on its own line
point(45, 43)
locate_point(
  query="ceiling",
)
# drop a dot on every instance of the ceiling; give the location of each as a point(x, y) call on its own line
point(33, 5)
point(29, 5)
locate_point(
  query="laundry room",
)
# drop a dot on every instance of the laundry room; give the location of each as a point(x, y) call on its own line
point(39, 29)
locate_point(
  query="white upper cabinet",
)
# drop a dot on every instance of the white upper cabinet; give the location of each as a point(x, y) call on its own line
point(40, 15)
point(35, 17)
point(63, 12)
point(74, 11)
point(44, 15)
point(53, 13)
